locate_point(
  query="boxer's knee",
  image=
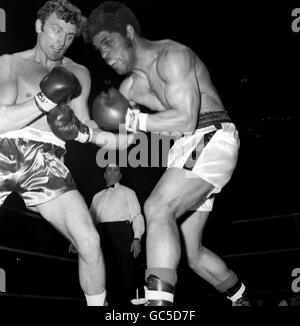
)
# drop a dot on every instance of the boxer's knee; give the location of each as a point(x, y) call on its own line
point(158, 209)
point(89, 247)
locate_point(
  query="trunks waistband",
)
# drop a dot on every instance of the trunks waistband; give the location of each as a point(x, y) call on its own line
point(35, 135)
point(114, 222)
point(213, 118)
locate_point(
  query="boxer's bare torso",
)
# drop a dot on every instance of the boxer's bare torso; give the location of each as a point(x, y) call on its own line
point(25, 76)
point(147, 86)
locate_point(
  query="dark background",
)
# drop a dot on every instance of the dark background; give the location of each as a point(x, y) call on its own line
point(252, 54)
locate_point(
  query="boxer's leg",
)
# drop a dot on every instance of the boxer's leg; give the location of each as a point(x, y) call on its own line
point(200, 259)
point(69, 214)
point(177, 192)
point(207, 264)
point(198, 166)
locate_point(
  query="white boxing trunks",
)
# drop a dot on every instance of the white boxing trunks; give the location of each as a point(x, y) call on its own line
point(211, 152)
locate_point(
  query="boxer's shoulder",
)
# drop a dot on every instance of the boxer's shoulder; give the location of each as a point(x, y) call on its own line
point(7, 64)
point(78, 69)
point(6, 60)
point(18, 58)
point(168, 46)
point(175, 60)
point(16, 61)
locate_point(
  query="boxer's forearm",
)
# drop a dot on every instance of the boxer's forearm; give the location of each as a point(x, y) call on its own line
point(90, 123)
point(14, 117)
point(170, 121)
point(110, 140)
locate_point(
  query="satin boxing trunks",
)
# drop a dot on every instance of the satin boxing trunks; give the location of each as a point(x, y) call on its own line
point(211, 152)
point(32, 164)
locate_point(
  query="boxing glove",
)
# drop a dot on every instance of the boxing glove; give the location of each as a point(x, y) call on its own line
point(58, 86)
point(66, 126)
point(112, 109)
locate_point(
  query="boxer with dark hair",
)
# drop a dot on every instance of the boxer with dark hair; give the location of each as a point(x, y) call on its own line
point(63, 10)
point(43, 103)
point(168, 78)
point(110, 16)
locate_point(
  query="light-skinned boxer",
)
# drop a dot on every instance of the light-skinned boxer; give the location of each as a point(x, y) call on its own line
point(40, 89)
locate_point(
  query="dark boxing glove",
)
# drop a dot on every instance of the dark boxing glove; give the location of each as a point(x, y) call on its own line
point(66, 126)
point(59, 86)
point(112, 109)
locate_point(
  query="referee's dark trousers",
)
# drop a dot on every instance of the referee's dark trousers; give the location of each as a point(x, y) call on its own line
point(123, 274)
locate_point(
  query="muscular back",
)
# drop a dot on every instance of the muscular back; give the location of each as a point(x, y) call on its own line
point(148, 86)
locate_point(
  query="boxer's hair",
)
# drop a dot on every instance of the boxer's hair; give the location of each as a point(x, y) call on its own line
point(64, 10)
point(111, 16)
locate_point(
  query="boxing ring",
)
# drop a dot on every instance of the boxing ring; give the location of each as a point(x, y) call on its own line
point(45, 272)
point(35, 265)
point(263, 251)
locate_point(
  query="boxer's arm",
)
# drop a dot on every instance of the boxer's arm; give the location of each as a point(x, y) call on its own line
point(177, 70)
point(125, 86)
point(110, 140)
point(13, 116)
point(79, 105)
point(80, 108)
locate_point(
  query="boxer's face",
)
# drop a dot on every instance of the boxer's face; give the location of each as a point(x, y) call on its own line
point(55, 36)
point(116, 50)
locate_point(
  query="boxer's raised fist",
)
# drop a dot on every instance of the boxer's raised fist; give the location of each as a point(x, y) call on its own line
point(59, 86)
point(66, 126)
point(112, 109)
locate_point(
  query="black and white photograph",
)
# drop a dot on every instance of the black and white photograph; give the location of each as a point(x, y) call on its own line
point(149, 156)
